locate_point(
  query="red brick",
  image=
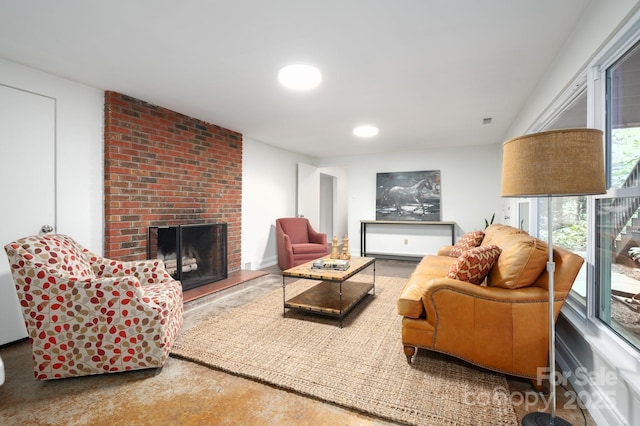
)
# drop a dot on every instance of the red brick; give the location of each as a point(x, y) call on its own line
point(164, 168)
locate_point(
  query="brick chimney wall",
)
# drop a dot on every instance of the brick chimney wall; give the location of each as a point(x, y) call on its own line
point(162, 168)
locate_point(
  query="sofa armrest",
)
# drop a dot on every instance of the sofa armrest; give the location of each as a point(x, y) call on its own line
point(95, 300)
point(410, 301)
point(286, 243)
point(130, 294)
point(444, 294)
point(430, 267)
point(146, 271)
point(317, 237)
point(504, 329)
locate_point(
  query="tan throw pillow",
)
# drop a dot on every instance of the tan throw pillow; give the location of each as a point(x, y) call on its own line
point(522, 261)
point(467, 241)
point(497, 233)
point(474, 264)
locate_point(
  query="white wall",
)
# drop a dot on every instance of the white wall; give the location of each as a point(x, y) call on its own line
point(596, 27)
point(79, 156)
point(470, 190)
point(470, 184)
point(269, 177)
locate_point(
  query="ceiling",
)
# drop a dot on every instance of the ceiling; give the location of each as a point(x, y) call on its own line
point(426, 72)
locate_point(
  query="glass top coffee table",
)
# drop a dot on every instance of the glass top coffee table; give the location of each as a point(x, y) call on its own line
point(336, 293)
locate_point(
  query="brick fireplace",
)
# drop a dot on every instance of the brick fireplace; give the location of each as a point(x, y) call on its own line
point(163, 168)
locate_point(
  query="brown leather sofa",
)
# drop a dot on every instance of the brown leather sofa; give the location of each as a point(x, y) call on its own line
point(502, 324)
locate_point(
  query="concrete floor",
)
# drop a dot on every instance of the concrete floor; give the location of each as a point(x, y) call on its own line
point(183, 392)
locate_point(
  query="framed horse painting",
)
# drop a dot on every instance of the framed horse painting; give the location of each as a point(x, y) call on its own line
point(408, 196)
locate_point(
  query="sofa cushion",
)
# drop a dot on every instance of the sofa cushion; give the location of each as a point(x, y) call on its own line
point(437, 266)
point(498, 233)
point(306, 248)
point(410, 301)
point(296, 229)
point(466, 242)
point(474, 264)
point(521, 262)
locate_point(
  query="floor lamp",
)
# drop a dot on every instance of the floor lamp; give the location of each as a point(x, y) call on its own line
point(554, 163)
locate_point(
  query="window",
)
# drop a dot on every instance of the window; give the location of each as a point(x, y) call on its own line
point(617, 213)
point(617, 265)
point(569, 213)
point(610, 222)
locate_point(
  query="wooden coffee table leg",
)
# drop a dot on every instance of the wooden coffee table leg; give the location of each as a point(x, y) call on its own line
point(284, 298)
point(341, 312)
point(374, 277)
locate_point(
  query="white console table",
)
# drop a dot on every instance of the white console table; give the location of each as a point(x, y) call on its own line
point(368, 224)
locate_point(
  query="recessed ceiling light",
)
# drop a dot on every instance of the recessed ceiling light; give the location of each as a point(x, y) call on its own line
point(299, 77)
point(365, 131)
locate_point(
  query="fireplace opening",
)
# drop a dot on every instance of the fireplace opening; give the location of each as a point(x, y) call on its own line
point(194, 254)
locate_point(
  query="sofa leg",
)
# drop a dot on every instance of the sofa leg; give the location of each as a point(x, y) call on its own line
point(409, 351)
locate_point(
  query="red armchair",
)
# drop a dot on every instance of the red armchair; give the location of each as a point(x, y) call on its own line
point(298, 242)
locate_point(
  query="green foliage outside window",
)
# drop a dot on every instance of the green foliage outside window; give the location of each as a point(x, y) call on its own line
point(569, 223)
point(625, 150)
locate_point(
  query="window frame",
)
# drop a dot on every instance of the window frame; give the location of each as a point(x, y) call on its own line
point(592, 78)
point(579, 86)
point(602, 86)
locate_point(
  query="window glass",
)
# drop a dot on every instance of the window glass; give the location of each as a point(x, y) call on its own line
point(617, 219)
point(617, 267)
point(623, 120)
point(569, 213)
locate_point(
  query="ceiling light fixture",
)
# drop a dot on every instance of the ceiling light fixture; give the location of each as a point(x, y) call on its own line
point(365, 131)
point(299, 77)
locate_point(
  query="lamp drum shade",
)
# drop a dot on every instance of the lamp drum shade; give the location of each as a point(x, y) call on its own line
point(558, 162)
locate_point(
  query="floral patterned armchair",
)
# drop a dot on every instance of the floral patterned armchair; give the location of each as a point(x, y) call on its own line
point(89, 315)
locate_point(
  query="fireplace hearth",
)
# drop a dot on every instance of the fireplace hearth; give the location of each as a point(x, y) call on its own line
point(194, 254)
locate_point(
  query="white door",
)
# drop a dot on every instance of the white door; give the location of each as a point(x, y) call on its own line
point(27, 186)
point(327, 184)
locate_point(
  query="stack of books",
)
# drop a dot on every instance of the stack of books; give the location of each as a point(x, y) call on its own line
point(331, 264)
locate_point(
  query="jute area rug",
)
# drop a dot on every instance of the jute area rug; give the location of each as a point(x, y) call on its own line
point(360, 366)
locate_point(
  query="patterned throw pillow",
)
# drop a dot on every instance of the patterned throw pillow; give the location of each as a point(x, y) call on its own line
point(467, 241)
point(474, 264)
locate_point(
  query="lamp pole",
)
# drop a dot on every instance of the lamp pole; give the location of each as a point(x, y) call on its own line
point(538, 418)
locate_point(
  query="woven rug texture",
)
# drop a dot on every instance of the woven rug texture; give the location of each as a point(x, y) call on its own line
point(361, 366)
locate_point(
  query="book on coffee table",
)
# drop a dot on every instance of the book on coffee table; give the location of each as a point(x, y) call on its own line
point(332, 264)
